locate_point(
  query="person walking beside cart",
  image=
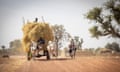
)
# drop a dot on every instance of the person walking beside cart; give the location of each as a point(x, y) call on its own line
point(72, 48)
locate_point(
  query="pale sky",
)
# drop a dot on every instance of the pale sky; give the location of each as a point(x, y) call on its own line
point(69, 13)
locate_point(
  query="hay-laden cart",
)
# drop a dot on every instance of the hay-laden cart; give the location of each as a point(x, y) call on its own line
point(33, 31)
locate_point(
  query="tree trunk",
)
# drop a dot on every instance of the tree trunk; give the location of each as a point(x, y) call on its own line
point(57, 48)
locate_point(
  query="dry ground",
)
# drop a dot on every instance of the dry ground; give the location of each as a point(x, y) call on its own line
point(79, 64)
point(11, 64)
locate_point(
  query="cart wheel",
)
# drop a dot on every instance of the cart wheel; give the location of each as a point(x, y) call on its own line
point(29, 55)
point(47, 55)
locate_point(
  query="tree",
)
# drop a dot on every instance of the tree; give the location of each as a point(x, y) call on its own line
point(15, 44)
point(92, 50)
point(97, 50)
point(107, 19)
point(78, 42)
point(3, 48)
point(113, 46)
point(15, 47)
point(60, 35)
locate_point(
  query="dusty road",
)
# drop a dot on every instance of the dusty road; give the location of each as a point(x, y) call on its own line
point(80, 64)
point(11, 64)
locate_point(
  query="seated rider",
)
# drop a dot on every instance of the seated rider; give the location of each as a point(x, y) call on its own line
point(40, 44)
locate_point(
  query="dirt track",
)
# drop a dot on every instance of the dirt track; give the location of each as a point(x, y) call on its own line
point(80, 64)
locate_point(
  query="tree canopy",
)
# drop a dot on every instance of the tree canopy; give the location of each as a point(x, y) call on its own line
point(107, 19)
point(60, 35)
point(113, 46)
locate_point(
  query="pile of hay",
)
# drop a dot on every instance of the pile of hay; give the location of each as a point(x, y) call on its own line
point(32, 31)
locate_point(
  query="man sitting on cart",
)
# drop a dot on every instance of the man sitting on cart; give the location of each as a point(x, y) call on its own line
point(36, 47)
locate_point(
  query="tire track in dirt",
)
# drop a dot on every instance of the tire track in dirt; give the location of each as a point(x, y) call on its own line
point(104, 65)
point(110, 64)
point(87, 65)
point(67, 66)
point(79, 64)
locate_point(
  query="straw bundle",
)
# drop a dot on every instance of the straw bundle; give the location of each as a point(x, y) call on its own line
point(32, 31)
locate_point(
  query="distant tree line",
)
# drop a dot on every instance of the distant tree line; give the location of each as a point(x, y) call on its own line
point(113, 46)
point(15, 48)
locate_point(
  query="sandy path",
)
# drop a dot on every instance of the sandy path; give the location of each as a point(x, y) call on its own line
point(80, 64)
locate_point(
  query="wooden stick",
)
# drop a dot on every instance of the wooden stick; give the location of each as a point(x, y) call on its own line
point(23, 20)
point(43, 19)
